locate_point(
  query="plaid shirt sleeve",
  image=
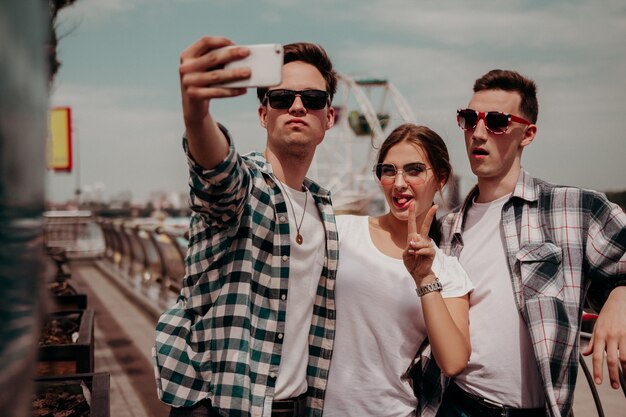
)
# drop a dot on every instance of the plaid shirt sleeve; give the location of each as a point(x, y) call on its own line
point(605, 248)
point(218, 194)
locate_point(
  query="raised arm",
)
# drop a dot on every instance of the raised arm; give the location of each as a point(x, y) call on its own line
point(447, 321)
point(201, 67)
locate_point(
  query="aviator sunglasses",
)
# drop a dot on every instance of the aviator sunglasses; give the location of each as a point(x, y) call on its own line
point(495, 122)
point(283, 99)
point(414, 173)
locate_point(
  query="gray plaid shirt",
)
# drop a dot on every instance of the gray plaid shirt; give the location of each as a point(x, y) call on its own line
point(220, 341)
point(564, 245)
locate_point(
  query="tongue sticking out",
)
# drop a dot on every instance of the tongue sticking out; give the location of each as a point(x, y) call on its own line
point(401, 201)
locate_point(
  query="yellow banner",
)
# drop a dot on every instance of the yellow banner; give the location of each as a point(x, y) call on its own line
point(60, 143)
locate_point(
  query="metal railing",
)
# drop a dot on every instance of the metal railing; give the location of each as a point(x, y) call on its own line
point(75, 231)
point(148, 255)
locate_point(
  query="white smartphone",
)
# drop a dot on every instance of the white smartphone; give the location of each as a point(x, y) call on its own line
point(266, 63)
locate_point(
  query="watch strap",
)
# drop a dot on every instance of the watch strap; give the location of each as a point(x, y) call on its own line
point(430, 287)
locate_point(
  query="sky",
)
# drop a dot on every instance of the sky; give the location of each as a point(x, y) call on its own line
point(120, 60)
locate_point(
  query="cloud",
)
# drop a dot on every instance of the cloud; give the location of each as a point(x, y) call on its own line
point(99, 95)
point(97, 11)
point(431, 51)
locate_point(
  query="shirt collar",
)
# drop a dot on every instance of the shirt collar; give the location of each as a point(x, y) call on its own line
point(525, 189)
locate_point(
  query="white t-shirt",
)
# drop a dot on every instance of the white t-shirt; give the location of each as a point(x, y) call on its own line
point(502, 366)
point(305, 269)
point(379, 325)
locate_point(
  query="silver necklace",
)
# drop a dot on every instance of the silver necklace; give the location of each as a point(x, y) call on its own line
point(299, 238)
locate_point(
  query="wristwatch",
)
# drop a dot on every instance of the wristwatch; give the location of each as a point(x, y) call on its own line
point(428, 288)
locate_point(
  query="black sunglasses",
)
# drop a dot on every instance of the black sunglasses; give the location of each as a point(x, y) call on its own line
point(495, 121)
point(311, 99)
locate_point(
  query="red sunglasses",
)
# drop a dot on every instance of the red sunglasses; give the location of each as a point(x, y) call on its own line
point(496, 122)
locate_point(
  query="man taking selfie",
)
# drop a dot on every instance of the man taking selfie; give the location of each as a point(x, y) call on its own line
point(252, 331)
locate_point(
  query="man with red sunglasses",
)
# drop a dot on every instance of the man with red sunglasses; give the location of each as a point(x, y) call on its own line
point(536, 253)
point(252, 331)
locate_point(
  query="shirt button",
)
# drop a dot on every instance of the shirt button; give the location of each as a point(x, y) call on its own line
point(280, 336)
point(283, 297)
point(282, 219)
point(285, 258)
point(273, 375)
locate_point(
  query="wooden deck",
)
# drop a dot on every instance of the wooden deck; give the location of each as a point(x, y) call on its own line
point(124, 335)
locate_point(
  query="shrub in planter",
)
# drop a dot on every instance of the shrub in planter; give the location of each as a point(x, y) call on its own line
point(70, 302)
point(59, 256)
point(80, 395)
point(66, 343)
point(62, 287)
point(67, 295)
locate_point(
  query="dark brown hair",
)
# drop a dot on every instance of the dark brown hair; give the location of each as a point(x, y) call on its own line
point(436, 151)
point(512, 81)
point(311, 54)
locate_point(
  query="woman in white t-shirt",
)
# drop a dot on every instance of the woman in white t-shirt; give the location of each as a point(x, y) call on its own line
point(381, 321)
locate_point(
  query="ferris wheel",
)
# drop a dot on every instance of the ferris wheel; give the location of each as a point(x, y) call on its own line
point(366, 110)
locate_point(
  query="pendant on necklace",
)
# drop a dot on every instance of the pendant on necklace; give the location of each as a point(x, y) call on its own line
point(299, 239)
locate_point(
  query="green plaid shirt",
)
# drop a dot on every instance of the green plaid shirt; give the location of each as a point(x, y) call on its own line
point(220, 341)
point(564, 245)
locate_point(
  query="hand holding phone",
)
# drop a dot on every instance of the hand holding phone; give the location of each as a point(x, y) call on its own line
point(265, 62)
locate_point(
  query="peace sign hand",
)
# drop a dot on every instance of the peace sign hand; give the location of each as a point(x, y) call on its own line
point(419, 254)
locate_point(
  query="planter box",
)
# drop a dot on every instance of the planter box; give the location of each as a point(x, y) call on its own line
point(67, 295)
point(64, 286)
point(69, 391)
point(69, 357)
point(70, 302)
